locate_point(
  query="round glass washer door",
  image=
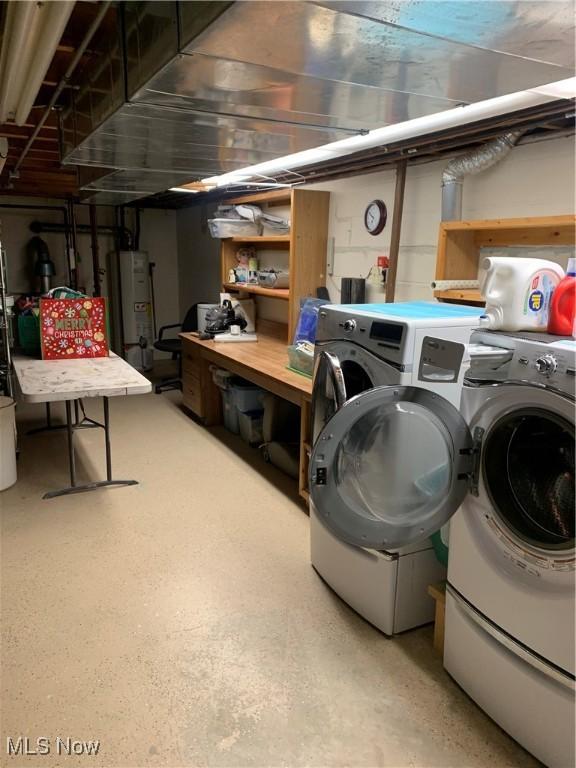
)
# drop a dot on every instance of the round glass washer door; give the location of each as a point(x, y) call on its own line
point(391, 467)
point(528, 468)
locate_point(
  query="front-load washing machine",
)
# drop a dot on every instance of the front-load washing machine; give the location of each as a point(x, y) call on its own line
point(391, 455)
point(509, 631)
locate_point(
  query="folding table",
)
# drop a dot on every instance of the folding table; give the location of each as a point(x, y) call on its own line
point(69, 381)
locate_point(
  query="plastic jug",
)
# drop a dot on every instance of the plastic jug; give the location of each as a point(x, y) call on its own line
point(518, 292)
point(562, 319)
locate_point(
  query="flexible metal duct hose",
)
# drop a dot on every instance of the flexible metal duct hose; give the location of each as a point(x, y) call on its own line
point(469, 164)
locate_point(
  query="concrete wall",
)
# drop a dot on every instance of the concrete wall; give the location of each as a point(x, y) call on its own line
point(534, 180)
point(198, 258)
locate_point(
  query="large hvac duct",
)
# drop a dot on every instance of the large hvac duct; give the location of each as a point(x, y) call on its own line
point(473, 162)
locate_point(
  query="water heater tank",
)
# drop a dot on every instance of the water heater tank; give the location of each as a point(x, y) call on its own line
point(136, 309)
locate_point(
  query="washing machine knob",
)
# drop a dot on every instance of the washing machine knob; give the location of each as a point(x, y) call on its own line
point(546, 364)
point(349, 325)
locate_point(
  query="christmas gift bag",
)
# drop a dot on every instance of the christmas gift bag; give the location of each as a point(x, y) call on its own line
point(73, 328)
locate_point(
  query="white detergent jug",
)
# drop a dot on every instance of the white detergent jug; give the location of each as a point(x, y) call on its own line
point(517, 292)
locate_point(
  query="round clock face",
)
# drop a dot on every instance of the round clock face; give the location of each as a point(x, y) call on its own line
point(375, 217)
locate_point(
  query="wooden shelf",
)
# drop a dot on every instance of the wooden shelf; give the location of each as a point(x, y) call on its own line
point(460, 245)
point(302, 252)
point(460, 294)
point(261, 239)
point(259, 290)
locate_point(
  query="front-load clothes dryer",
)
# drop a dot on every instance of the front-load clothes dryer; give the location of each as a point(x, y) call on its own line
point(510, 604)
point(391, 456)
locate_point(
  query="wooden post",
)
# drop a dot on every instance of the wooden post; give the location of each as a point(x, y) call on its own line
point(396, 227)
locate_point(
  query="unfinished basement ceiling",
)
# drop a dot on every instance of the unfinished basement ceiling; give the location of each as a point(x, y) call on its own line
point(296, 75)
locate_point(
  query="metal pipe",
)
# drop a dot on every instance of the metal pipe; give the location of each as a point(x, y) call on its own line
point(396, 228)
point(473, 162)
point(95, 253)
point(73, 255)
point(65, 80)
point(81, 229)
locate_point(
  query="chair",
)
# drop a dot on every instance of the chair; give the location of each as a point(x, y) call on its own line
point(174, 347)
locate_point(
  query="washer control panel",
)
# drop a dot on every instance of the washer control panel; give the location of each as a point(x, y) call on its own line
point(552, 364)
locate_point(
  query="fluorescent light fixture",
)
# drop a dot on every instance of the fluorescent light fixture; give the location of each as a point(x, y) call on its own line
point(267, 184)
point(32, 32)
point(409, 129)
point(187, 191)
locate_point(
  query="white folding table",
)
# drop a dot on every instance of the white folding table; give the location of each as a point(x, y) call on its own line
point(69, 381)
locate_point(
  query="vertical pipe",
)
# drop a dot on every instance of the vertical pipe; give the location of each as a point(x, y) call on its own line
point(396, 228)
point(95, 252)
point(74, 239)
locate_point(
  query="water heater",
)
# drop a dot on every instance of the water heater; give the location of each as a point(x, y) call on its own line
point(137, 325)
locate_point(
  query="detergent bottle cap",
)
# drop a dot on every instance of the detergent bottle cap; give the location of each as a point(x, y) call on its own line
point(571, 268)
point(487, 320)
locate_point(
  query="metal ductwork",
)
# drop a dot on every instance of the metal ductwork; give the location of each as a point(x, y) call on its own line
point(181, 91)
point(468, 165)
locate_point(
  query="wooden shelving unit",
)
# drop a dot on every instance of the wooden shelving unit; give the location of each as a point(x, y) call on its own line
point(261, 239)
point(459, 245)
point(258, 290)
point(303, 250)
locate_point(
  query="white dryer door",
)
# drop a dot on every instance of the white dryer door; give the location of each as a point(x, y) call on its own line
point(391, 467)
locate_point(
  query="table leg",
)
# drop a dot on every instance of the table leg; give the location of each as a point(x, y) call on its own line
point(71, 427)
point(70, 431)
point(107, 439)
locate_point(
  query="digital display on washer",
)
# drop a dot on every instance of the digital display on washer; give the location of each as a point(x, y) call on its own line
point(387, 333)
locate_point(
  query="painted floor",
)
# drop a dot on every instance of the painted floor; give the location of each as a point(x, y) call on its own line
point(179, 623)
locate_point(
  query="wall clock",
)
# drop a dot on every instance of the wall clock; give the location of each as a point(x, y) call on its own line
point(375, 217)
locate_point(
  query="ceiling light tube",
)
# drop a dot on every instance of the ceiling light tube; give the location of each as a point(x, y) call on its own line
point(52, 28)
point(19, 23)
point(403, 131)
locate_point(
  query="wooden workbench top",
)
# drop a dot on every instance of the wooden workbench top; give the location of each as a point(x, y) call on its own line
point(263, 362)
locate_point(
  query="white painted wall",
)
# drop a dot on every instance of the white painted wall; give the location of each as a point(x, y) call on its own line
point(158, 237)
point(534, 180)
point(198, 258)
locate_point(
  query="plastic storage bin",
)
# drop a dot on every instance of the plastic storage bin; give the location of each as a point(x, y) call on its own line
point(223, 380)
point(248, 397)
point(300, 360)
point(230, 412)
point(7, 443)
point(223, 228)
point(29, 334)
point(251, 426)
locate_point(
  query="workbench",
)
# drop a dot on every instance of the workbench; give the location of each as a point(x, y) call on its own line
point(261, 362)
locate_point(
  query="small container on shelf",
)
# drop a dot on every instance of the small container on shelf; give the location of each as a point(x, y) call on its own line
point(224, 228)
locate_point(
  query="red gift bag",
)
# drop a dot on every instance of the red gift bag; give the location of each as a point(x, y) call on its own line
point(73, 328)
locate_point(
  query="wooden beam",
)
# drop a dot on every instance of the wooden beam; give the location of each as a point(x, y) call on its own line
point(396, 228)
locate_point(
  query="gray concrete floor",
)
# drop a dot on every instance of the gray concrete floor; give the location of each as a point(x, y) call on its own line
point(180, 623)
